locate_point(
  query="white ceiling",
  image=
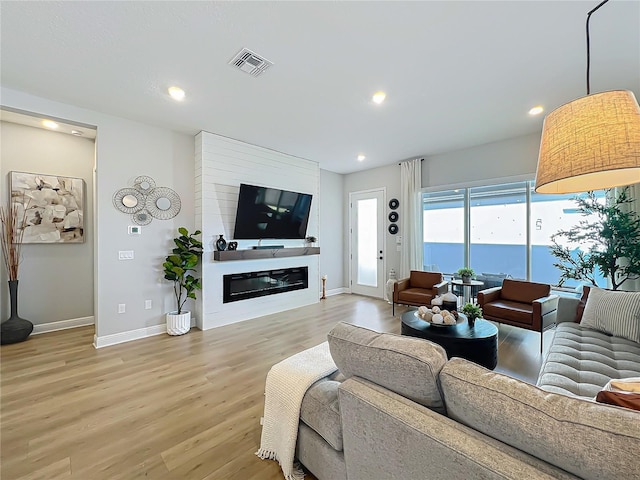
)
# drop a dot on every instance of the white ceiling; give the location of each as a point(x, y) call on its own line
point(457, 74)
point(30, 120)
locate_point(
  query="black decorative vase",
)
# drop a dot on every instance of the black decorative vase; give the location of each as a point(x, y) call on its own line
point(221, 244)
point(15, 329)
point(471, 321)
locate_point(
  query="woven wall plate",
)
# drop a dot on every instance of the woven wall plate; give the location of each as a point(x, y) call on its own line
point(144, 184)
point(163, 203)
point(128, 200)
point(142, 218)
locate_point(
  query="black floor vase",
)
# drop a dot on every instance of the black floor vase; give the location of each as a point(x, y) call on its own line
point(15, 329)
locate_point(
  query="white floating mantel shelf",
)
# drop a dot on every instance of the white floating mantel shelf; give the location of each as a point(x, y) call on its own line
point(229, 255)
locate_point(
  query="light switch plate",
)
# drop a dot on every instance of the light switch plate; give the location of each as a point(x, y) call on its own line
point(125, 255)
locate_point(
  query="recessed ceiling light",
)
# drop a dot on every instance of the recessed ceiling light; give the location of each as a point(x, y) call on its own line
point(49, 124)
point(77, 133)
point(176, 93)
point(361, 157)
point(537, 110)
point(379, 97)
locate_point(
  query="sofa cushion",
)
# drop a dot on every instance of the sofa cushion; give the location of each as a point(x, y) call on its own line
point(509, 310)
point(425, 280)
point(405, 365)
point(415, 296)
point(616, 313)
point(581, 361)
point(590, 440)
point(523, 292)
point(320, 410)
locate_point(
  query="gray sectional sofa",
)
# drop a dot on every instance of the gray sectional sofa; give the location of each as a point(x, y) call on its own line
point(398, 408)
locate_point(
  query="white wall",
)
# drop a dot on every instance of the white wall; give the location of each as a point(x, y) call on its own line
point(484, 163)
point(507, 158)
point(221, 164)
point(331, 238)
point(124, 150)
point(56, 280)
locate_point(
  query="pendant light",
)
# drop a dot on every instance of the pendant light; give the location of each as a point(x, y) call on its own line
point(590, 143)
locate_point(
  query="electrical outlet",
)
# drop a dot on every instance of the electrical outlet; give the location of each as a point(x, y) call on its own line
point(147, 304)
point(121, 308)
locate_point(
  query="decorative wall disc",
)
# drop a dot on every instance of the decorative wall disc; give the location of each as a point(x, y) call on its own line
point(128, 200)
point(144, 184)
point(163, 203)
point(393, 203)
point(142, 218)
point(393, 216)
point(393, 229)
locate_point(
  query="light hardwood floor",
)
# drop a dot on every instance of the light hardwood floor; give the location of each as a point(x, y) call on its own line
point(165, 407)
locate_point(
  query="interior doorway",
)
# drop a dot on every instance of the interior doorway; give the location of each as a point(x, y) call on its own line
point(366, 242)
point(56, 278)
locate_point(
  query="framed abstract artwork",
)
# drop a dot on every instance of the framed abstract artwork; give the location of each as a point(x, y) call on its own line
point(53, 206)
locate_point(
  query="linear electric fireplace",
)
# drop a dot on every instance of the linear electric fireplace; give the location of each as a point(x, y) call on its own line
point(241, 286)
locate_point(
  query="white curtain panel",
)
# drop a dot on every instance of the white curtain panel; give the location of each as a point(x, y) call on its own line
point(411, 219)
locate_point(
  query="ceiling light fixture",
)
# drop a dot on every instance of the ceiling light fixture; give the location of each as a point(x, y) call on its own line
point(50, 124)
point(379, 97)
point(361, 157)
point(537, 110)
point(77, 133)
point(592, 142)
point(176, 93)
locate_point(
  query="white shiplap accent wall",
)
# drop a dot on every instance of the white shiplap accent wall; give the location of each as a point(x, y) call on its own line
point(222, 164)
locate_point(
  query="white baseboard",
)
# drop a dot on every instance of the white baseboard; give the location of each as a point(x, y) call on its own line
point(116, 338)
point(107, 340)
point(62, 325)
point(335, 291)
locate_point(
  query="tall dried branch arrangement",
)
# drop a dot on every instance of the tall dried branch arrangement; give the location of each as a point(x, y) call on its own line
point(11, 238)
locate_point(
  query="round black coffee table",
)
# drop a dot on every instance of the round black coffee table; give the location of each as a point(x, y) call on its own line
point(478, 344)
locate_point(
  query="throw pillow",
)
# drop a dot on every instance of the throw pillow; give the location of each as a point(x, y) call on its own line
point(627, 400)
point(615, 313)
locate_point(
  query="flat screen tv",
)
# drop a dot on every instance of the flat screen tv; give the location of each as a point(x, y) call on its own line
point(271, 213)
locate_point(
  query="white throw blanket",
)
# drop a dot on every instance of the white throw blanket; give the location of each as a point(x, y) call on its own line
point(287, 382)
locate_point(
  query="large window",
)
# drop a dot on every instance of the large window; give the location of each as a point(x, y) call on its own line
point(549, 214)
point(498, 230)
point(443, 230)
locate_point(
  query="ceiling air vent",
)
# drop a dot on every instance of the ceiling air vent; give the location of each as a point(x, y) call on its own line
point(250, 62)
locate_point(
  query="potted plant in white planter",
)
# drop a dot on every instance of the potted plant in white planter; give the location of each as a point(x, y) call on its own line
point(177, 268)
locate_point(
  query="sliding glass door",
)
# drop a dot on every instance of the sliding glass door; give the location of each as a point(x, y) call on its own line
point(550, 214)
point(498, 230)
point(443, 231)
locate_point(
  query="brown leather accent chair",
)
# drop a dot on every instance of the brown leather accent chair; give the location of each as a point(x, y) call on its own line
point(418, 289)
point(521, 304)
